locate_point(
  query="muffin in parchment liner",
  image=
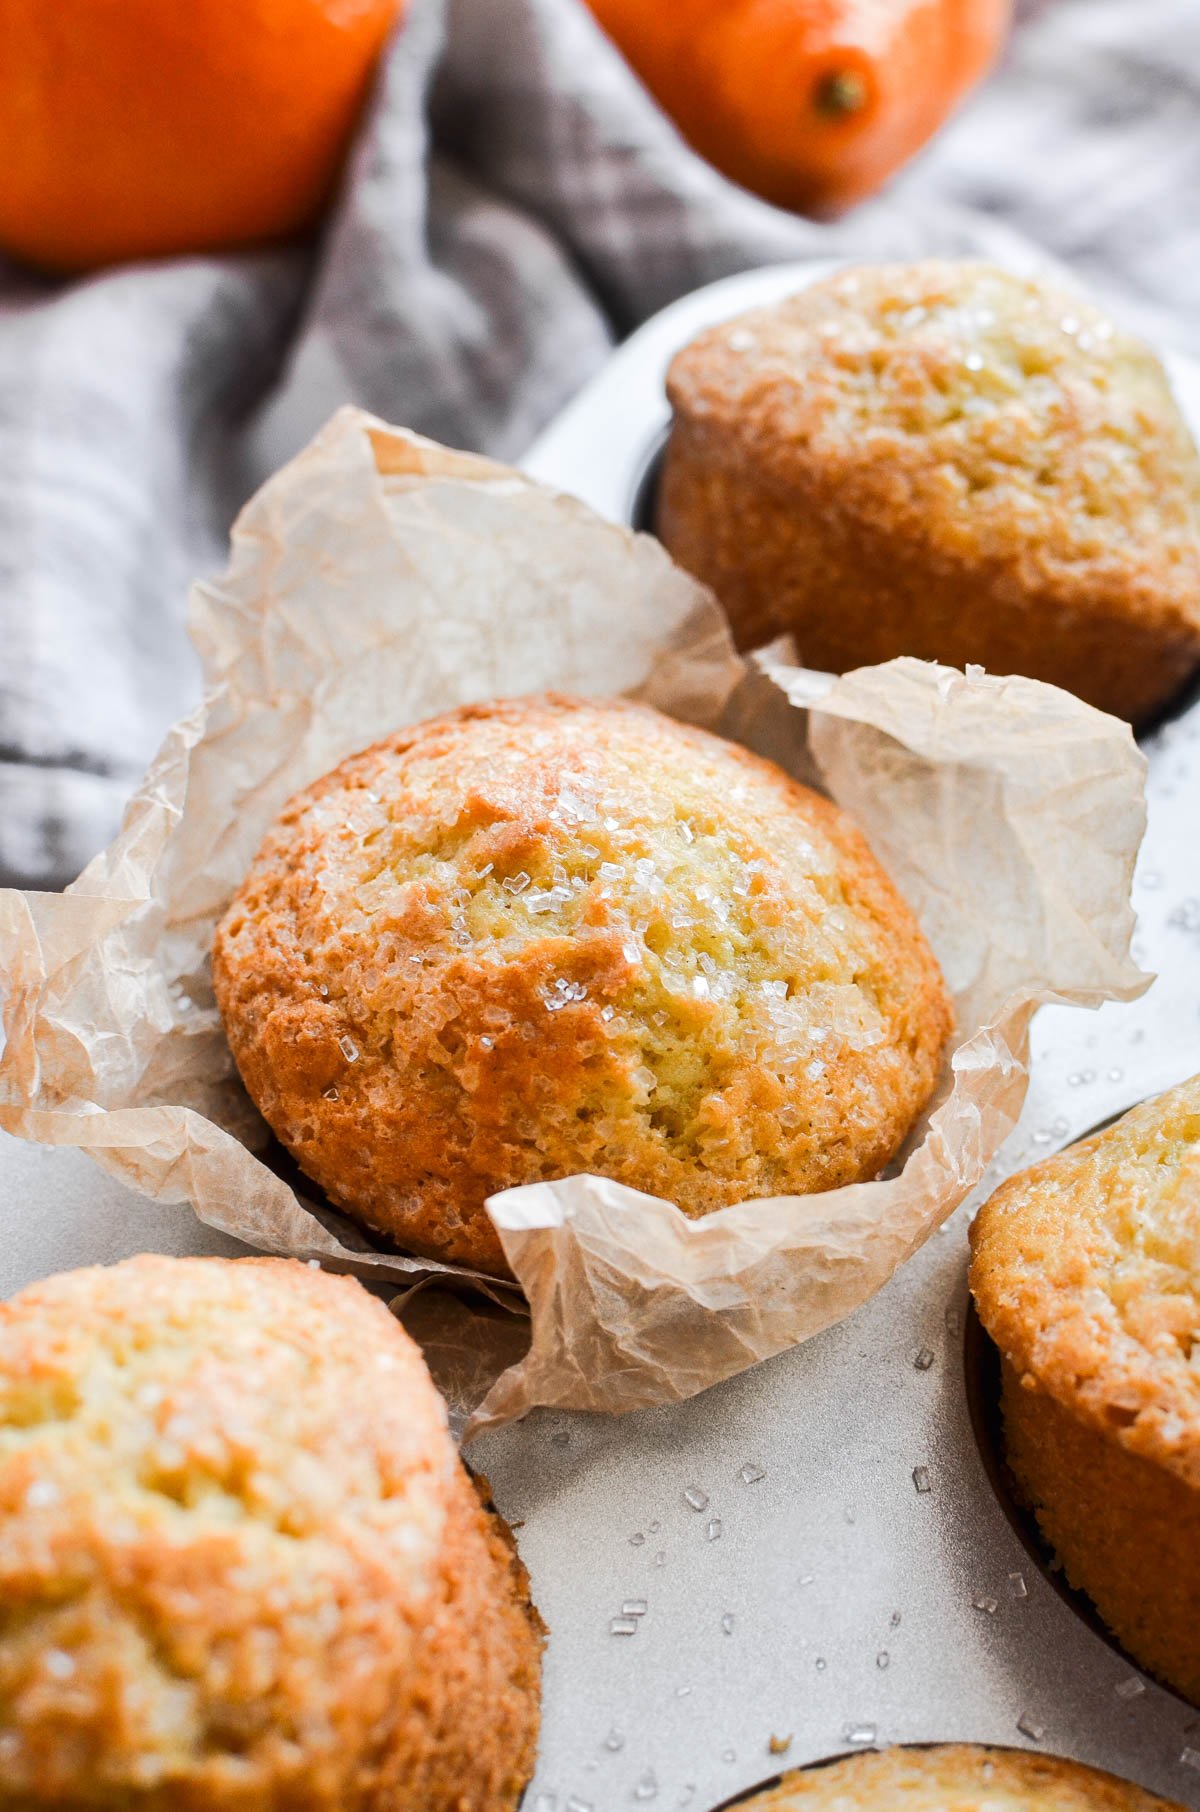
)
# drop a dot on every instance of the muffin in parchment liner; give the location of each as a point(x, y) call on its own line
point(549, 935)
point(379, 580)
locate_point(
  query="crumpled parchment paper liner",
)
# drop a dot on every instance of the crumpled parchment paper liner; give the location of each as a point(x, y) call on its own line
point(378, 579)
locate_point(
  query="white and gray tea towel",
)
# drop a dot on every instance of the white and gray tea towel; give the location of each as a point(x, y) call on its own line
point(515, 204)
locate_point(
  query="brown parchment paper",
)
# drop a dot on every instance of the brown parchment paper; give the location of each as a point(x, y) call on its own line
point(378, 579)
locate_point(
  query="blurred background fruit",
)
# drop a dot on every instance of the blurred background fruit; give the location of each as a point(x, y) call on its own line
point(139, 128)
point(811, 103)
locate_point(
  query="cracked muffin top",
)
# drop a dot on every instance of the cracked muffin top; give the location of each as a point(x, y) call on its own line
point(547, 936)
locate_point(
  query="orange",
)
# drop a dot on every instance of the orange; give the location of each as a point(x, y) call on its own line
point(139, 128)
point(810, 103)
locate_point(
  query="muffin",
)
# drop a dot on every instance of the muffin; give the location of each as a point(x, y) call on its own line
point(942, 460)
point(1086, 1274)
point(241, 1565)
point(959, 1775)
point(547, 936)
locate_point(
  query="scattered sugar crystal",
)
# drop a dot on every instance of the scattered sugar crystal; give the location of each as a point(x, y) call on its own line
point(727, 1623)
point(806, 1579)
point(750, 1474)
point(575, 1804)
point(348, 1049)
point(1189, 1757)
point(660, 1559)
point(1029, 1726)
point(882, 1659)
point(647, 1787)
point(636, 1541)
point(623, 1626)
point(546, 1802)
point(924, 1359)
point(634, 1607)
point(820, 1664)
point(695, 1498)
point(614, 1741)
point(713, 1531)
point(1132, 1688)
point(860, 1734)
point(920, 1479)
point(645, 1078)
point(815, 1070)
point(895, 1620)
point(607, 1013)
point(700, 987)
point(985, 1604)
point(487, 1043)
point(331, 1094)
point(516, 883)
point(1017, 1586)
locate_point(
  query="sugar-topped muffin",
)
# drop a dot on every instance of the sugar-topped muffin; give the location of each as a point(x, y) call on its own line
point(1086, 1274)
point(945, 460)
point(548, 936)
point(241, 1565)
point(959, 1776)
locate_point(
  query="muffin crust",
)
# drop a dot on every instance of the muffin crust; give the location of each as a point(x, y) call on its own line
point(948, 461)
point(548, 936)
point(241, 1565)
point(959, 1776)
point(1086, 1273)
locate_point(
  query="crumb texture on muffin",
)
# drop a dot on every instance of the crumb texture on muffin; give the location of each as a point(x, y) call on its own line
point(548, 936)
point(945, 460)
point(956, 1777)
point(240, 1563)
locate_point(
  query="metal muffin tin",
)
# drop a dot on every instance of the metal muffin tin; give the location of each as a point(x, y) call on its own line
point(814, 1552)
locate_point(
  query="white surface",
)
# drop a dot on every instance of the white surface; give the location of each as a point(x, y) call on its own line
point(681, 1712)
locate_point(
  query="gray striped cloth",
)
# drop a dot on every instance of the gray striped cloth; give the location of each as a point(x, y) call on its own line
point(515, 203)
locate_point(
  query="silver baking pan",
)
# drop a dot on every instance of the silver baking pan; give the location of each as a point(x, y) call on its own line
point(821, 1554)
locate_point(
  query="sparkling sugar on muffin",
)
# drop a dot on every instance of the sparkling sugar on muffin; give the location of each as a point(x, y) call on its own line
point(1086, 1274)
point(942, 460)
point(241, 1565)
point(548, 936)
point(955, 1777)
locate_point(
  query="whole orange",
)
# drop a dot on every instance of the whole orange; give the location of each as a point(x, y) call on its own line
point(810, 103)
point(139, 128)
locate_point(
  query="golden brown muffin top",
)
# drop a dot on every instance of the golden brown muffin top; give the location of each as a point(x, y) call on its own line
point(222, 1496)
point(1086, 1273)
point(549, 935)
point(956, 1777)
point(990, 417)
